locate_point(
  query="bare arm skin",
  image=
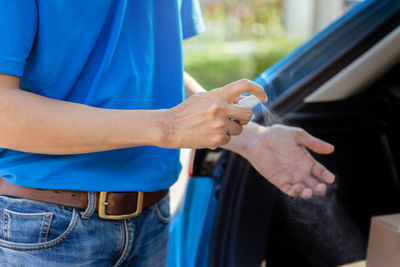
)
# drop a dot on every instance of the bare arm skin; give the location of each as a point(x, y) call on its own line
point(32, 123)
point(37, 124)
point(191, 85)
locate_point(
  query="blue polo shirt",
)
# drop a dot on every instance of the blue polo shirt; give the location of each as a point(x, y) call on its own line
point(117, 54)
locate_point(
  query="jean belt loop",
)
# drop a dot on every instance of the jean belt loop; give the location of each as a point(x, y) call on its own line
point(90, 206)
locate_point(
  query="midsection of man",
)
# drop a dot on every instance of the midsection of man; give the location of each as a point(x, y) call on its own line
point(113, 55)
point(108, 54)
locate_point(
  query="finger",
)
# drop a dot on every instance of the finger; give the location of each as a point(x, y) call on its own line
point(296, 189)
point(320, 189)
point(317, 187)
point(220, 140)
point(313, 143)
point(243, 122)
point(235, 89)
point(322, 173)
point(306, 193)
point(234, 128)
point(238, 99)
point(311, 182)
point(287, 189)
point(243, 114)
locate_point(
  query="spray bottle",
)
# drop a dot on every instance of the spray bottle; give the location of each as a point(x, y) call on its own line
point(267, 118)
point(249, 101)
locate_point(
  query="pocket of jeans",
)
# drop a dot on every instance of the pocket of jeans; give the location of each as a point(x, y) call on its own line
point(45, 227)
point(162, 210)
point(26, 227)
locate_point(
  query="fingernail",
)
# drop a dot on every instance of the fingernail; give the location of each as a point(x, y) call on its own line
point(328, 176)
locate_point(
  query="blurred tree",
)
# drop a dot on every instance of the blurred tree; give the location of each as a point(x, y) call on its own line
point(244, 18)
point(243, 38)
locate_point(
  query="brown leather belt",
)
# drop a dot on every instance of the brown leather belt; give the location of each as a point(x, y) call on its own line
point(109, 205)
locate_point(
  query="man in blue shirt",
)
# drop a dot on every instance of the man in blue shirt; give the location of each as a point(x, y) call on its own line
point(92, 116)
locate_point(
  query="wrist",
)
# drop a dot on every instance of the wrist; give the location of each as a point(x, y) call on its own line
point(244, 143)
point(167, 133)
point(249, 137)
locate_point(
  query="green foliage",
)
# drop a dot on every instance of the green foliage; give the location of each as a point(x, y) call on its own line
point(215, 64)
point(243, 38)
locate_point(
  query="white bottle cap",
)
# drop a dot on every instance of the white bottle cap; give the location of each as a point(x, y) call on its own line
point(249, 101)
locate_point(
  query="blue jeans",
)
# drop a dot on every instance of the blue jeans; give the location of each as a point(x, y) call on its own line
point(40, 234)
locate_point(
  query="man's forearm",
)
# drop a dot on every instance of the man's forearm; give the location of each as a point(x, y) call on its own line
point(36, 124)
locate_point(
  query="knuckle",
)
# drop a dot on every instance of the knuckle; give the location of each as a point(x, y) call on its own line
point(245, 116)
point(218, 140)
point(219, 126)
point(214, 143)
point(244, 82)
point(215, 110)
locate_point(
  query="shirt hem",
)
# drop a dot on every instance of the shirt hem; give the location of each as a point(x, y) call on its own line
point(12, 67)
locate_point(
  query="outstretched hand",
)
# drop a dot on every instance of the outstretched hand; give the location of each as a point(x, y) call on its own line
point(279, 154)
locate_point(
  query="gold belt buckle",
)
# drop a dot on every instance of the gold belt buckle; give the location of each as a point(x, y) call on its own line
point(103, 206)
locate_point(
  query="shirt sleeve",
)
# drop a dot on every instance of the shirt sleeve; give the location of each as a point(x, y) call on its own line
point(192, 20)
point(18, 26)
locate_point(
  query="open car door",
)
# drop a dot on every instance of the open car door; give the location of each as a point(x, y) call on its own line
point(342, 86)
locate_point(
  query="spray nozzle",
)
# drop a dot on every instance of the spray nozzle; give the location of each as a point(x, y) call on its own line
point(249, 101)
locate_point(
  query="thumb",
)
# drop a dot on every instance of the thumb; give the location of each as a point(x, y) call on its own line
point(314, 144)
point(233, 90)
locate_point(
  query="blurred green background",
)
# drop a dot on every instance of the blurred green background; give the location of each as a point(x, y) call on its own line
point(242, 39)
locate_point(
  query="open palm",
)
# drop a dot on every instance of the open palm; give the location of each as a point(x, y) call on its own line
point(279, 154)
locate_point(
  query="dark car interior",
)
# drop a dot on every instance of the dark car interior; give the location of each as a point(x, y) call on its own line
point(334, 230)
point(255, 221)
